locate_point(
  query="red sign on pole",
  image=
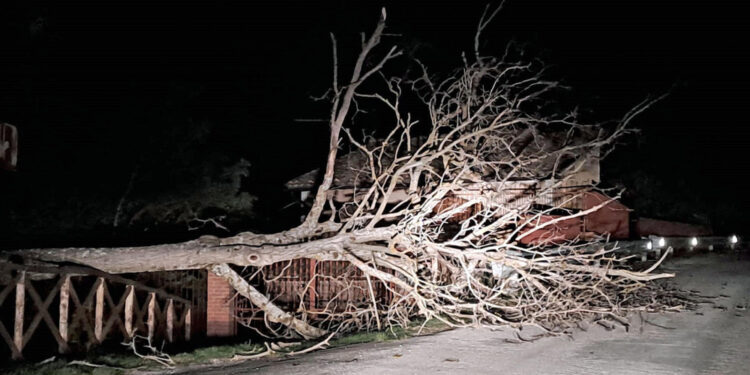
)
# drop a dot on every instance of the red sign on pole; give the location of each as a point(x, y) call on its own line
point(8, 146)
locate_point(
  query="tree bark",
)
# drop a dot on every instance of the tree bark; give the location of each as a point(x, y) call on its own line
point(207, 251)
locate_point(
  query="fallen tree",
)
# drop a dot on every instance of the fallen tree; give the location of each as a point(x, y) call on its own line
point(432, 220)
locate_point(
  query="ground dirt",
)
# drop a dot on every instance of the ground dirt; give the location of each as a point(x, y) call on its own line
point(715, 339)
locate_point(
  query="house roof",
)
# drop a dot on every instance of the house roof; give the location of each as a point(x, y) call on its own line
point(348, 172)
point(352, 169)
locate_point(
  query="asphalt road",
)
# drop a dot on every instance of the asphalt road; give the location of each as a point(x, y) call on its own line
point(712, 340)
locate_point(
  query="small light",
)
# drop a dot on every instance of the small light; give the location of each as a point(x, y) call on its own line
point(733, 239)
point(649, 245)
point(662, 242)
point(694, 241)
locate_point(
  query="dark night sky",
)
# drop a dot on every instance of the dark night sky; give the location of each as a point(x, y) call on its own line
point(87, 82)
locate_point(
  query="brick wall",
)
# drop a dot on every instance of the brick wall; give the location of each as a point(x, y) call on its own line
point(612, 219)
point(220, 316)
point(564, 230)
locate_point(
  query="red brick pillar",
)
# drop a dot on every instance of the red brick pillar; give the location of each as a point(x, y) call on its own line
point(220, 317)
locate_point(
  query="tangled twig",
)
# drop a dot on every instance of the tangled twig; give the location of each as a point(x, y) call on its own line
point(154, 354)
point(278, 350)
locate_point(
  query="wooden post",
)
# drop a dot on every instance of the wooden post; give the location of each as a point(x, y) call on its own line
point(313, 283)
point(99, 310)
point(18, 323)
point(374, 301)
point(151, 322)
point(170, 320)
point(63, 321)
point(187, 324)
point(129, 297)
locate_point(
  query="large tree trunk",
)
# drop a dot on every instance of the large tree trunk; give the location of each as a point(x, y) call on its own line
point(207, 251)
point(250, 249)
point(471, 272)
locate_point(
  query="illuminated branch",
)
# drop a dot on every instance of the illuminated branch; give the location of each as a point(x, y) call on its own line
point(445, 210)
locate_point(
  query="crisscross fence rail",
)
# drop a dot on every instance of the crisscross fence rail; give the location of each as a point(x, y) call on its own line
point(79, 308)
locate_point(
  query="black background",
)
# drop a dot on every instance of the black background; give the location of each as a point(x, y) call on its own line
point(91, 85)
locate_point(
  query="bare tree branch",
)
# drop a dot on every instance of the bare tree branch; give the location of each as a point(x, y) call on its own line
point(455, 211)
